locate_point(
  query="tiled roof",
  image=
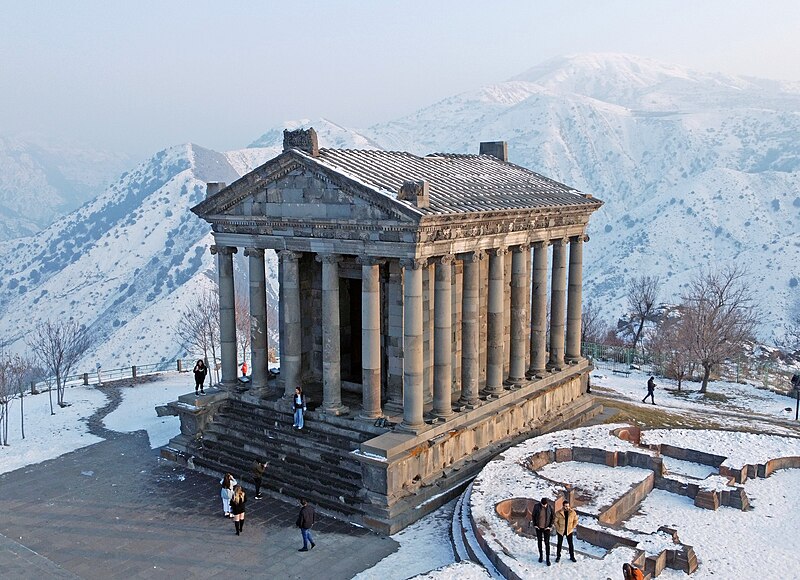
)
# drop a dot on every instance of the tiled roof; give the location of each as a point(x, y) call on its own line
point(457, 183)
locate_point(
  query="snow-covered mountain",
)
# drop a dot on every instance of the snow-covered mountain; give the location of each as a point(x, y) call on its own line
point(41, 180)
point(129, 262)
point(696, 169)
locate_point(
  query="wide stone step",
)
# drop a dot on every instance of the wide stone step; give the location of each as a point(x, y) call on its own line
point(253, 426)
point(310, 476)
point(256, 440)
point(292, 487)
point(315, 463)
point(284, 419)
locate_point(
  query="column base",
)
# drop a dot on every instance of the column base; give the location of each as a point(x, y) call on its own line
point(362, 416)
point(469, 405)
point(443, 416)
point(536, 374)
point(336, 410)
point(412, 429)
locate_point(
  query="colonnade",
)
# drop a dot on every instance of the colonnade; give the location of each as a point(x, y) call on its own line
point(528, 316)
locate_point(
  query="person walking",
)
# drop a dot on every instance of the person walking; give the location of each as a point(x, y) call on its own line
point(257, 469)
point(200, 372)
point(227, 483)
point(299, 402)
point(305, 519)
point(237, 508)
point(542, 522)
point(565, 521)
point(651, 388)
point(244, 370)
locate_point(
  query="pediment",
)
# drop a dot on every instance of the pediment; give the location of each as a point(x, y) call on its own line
point(290, 187)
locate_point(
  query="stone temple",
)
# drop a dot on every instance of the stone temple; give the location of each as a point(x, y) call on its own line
point(430, 307)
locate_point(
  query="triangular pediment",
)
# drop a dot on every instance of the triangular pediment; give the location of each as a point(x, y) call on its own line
point(293, 187)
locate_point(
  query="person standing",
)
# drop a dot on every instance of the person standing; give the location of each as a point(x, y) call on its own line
point(542, 522)
point(200, 372)
point(244, 370)
point(257, 469)
point(565, 521)
point(226, 492)
point(305, 519)
point(651, 388)
point(299, 402)
point(237, 508)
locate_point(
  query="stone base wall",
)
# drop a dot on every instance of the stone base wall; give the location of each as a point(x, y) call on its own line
point(402, 470)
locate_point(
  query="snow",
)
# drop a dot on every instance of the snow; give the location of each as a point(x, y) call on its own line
point(424, 546)
point(49, 436)
point(738, 448)
point(687, 468)
point(604, 484)
point(137, 410)
point(464, 570)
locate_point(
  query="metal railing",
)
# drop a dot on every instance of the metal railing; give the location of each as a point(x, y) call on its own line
point(103, 375)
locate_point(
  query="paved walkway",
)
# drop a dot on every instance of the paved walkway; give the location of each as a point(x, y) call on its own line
point(116, 510)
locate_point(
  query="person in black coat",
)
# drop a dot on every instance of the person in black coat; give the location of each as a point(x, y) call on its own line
point(237, 508)
point(200, 372)
point(651, 388)
point(305, 519)
point(542, 522)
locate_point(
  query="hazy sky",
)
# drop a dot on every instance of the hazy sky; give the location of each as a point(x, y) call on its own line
point(137, 76)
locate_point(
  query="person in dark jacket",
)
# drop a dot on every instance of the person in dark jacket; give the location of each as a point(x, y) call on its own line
point(305, 519)
point(542, 522)
point(200, 372)
point(651, 388)
point(257, 469)
point(237, 508)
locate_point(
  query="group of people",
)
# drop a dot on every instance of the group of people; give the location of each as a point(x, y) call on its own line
point(565, 520)
point(234, 499)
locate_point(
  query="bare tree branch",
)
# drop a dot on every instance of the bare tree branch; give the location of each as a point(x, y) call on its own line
point(642, 294)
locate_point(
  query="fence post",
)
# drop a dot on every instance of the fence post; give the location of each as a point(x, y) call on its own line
point(33, 387)
point(180, 365)
point(85, 378)
point(133, 371)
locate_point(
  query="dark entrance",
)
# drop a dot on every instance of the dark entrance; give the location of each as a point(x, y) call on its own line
point(350, 328)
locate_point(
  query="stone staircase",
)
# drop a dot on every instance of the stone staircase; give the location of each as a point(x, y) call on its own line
point(314, 463)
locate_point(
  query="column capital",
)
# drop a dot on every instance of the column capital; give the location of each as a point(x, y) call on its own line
point(444, 260)
point(580, 238)
point(497, 251)
point(215, 249)
point(289, 255)
point(559, 242)
point(329, 258)
point(475, 256)
point(521, 247)
point(540, 244)
point(370, 260)
point(254, 252)
point(413, 263)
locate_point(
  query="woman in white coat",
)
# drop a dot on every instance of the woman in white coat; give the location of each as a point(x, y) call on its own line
point(226, 492)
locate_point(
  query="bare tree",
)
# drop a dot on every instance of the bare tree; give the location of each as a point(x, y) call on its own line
point(198, 329)
point(14, 373)
point(242, 313)
point(671, 345)
point(593, 327)
point(720, 317)
point(642, 294)
point(58, 346)
point(792, 337)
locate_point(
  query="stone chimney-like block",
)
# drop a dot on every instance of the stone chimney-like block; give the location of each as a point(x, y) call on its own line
point(303, 139)
point(497, 149)
point(415, 191)
point(214, 187)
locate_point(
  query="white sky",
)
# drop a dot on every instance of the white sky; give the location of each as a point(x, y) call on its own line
point(140, 76)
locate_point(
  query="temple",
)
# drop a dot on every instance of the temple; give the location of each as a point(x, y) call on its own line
point(430, 306)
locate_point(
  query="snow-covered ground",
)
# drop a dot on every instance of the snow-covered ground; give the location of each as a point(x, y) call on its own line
point(49, 436)
point(137, 410)
point(741, 398)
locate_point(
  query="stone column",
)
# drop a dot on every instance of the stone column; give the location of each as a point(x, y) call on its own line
point(539, 311)
point(370, 337)
point(227, 316)
point(291, 347)
point(258, 317)
point(519, 312)
point(412, 343)
point(331, 349)
point(443, 338)
point(495, 347)
point(470, 330)
point(558, 291)
point(573, 351)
